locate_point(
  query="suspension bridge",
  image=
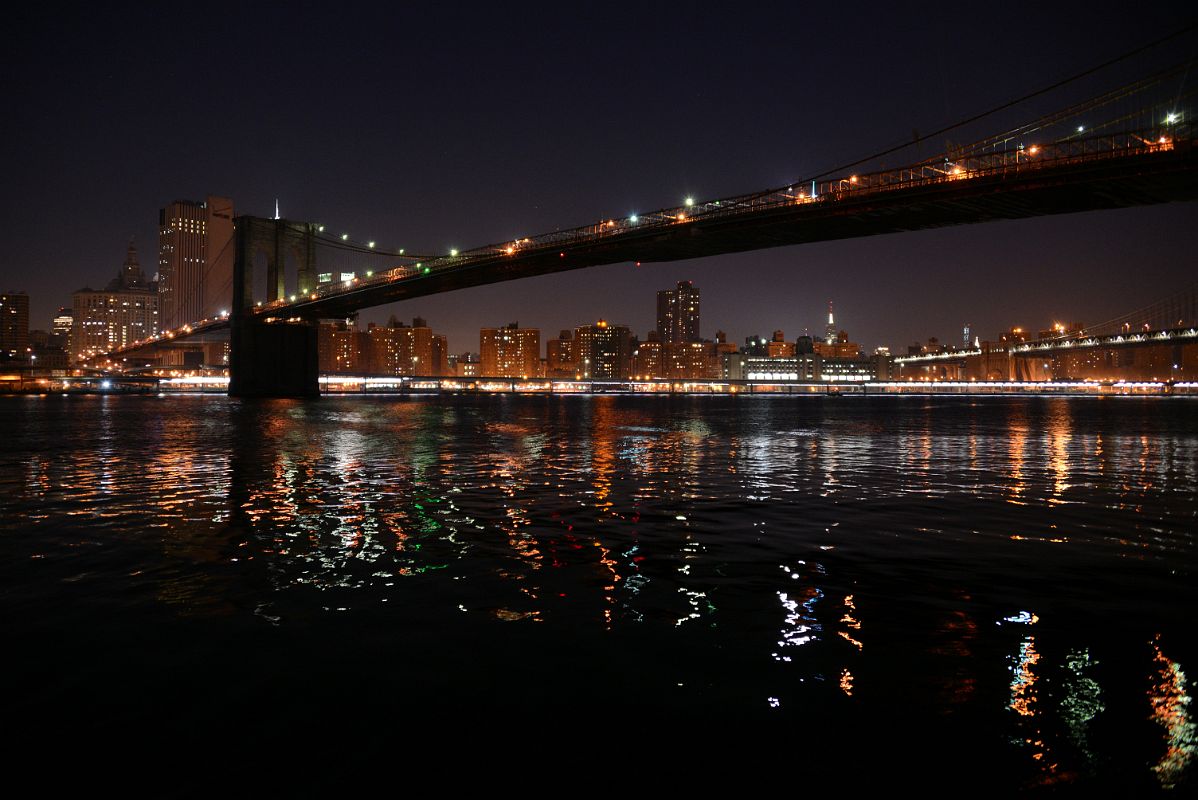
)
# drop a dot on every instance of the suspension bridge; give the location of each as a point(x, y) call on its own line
point(1127, 146)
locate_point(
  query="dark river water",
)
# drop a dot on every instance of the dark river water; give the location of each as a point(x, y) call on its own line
point(1000, 590)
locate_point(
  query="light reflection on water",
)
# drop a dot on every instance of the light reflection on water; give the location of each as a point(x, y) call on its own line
point(761, 530)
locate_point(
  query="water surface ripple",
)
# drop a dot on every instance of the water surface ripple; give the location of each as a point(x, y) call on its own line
point(1008, 582)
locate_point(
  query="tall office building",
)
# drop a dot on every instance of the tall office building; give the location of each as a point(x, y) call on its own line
point(511, 352)
point(830, 331)
point(61, 326)
point(14, 326)
point(678, 313)
point(125, 311)
point(195, 260)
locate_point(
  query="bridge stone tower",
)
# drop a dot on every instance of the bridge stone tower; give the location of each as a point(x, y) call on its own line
point(277, 359)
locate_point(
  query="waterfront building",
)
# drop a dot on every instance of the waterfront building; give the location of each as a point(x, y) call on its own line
point(60, 328)
point(755, 346)
point(778, 347)
point(797, 369)
point(125, 311)
point(341, 348)
point(195, 260)
point(510, 352)
point(722, 345)
point(648, 360)
point(466, 365)
point(1060, 330)
point(1014, 335)
point(397, 349)
point(678, 313)
point(14, 326)
point(605, 350)
point(838, 347)
point(850, 370)
point(694, 361)
point(561, 358)
point(45, 352)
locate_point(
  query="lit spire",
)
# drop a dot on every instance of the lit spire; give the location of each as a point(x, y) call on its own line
point(277, 215)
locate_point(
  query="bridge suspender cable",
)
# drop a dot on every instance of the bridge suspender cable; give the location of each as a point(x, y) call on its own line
point(1085, 73)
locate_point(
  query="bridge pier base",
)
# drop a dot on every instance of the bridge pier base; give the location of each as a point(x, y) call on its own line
point(278, 360)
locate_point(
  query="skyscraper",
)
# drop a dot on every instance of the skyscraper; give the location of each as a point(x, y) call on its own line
point(125, 311)
point(14, 326)
point(830, 331)
point(195, 260)
point(678, 313)
point(61, 326)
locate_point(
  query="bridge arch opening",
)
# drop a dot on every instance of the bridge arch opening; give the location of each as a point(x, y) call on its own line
point(260, 269)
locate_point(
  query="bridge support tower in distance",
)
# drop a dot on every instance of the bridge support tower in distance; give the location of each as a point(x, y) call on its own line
point(272, 359)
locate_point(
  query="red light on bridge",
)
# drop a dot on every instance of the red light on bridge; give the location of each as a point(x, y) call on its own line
point(561, 255)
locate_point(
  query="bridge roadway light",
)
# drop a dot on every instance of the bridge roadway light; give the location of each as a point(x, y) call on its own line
point(1170, 118)
point(633, 219)
point(370, 244)
point(453, 251)
point(345, 237)
point(690, 201)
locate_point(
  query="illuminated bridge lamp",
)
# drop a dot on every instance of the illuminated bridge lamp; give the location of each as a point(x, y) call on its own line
point(690, 201)
point(633, 219)
point(453, 252)
point(345, 237)
point(370, 244)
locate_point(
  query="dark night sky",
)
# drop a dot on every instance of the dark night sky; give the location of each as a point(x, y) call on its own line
point(455, 128)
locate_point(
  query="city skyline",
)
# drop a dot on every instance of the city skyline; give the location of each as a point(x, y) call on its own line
point(637, 156)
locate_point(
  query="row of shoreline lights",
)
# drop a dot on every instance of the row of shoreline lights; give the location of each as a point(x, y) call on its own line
point(689, 202)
